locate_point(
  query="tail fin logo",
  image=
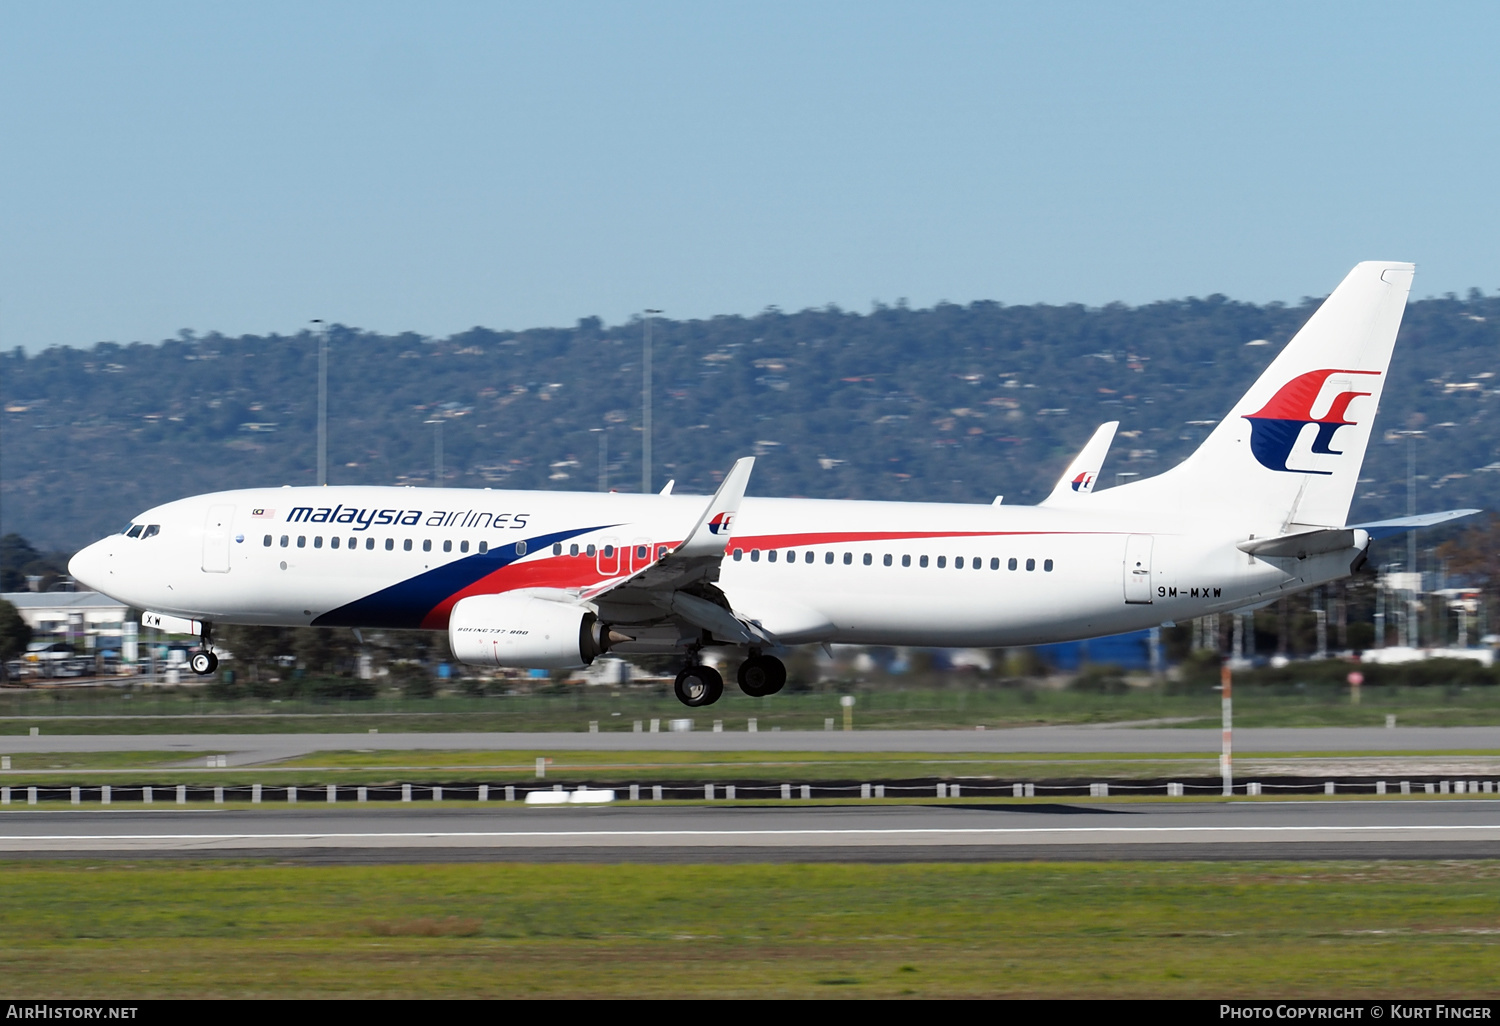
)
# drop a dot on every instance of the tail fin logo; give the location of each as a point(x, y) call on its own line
point(1083, 482)
point(720, 523)
point(1274, 429)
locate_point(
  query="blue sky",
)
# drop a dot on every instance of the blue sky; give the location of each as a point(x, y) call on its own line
point(429, 167)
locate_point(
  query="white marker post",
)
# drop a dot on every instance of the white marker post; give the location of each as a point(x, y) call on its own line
point(1226, 756)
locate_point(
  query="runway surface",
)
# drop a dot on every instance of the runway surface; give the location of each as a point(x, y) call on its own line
point(1084, 830)
point(252, 749)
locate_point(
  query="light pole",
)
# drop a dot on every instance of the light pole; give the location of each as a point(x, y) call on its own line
point(646, 408)
point(322, 401)
point(437, 452)
point(603, 434)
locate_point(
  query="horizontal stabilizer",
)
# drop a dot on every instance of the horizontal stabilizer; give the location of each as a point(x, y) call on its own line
point(1400, 525)
point(1316, 541)
point(1306, 543)
point(1078, 480)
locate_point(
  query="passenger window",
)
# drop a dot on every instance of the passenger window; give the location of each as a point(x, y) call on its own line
point(318, 542)
point(755, 555)
point(791, 557)
point(738, 554)
point(1031, 564)
point(557, 548)
point(661, 551)
point(640, 551)
point(485, 547)
point(923, 561)
point(447, 544)
point(906, 560)
point(520, 548)
point(369, 544)
point(1012, 564)
point(869, 559)
point(573, 549)
point(978, 563)
point(1047, 566)
point(590, 551)
point(886, 559)
point(848, 558)
point(301, 541)
point(958, 563)
point(942, 562)
point(609, 552)
point(135, 532)
point(152, 530)
point(995, 563)
point(828, 557)
point(354, 543)
point(463, 546)
point(808, 558)
point(771, 556)
point(406, 545)
point(426, 544)
point(268, 541)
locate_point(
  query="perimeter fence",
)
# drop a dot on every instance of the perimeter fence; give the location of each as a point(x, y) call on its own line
point(752, 791)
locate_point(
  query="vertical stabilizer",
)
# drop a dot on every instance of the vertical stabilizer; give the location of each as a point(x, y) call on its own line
point(1290, 450)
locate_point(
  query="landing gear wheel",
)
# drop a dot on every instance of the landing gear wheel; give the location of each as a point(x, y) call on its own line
point(204, 663)
point(698, 685)
point(762, 675)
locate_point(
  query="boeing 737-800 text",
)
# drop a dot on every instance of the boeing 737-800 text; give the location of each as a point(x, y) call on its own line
point(554, 579)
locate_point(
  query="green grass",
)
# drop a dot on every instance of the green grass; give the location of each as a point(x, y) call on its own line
point(1282, 930)
point(956, 706)
point(46, 761)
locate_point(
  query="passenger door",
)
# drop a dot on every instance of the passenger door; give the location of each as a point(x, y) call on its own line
point(216, 528)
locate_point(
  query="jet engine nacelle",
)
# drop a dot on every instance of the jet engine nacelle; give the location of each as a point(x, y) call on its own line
point(524, 631)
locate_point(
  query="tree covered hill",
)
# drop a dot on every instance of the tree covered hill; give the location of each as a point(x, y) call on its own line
point(953, 403)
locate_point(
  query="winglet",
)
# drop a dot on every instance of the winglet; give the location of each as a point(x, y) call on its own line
point(1078, 479)
point(711, 533)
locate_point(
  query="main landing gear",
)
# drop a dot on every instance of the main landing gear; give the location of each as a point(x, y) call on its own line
point(762, 675)
point(699, 685)
point(203, 662)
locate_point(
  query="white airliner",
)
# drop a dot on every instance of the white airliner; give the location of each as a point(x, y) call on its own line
point(554, 579)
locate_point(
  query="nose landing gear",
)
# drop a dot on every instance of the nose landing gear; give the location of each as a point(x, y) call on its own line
point(203, 662)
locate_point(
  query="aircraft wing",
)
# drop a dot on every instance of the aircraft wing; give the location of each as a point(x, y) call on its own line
point(1078, 479)
point(680, 583)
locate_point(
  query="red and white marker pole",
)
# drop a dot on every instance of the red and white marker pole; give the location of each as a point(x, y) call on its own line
point(1226, 755)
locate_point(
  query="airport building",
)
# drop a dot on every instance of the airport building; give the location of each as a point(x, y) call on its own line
point(86, 621)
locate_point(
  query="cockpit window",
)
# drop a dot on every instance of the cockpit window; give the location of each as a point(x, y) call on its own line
point(134, 531)
point(152, 530)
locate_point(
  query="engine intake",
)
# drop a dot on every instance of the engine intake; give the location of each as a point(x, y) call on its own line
point(525, 631)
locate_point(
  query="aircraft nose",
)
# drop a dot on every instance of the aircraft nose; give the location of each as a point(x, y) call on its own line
point(90, 566)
